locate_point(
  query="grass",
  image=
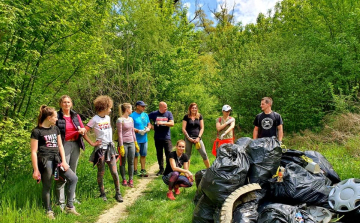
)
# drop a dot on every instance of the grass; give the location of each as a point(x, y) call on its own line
point(21, 196)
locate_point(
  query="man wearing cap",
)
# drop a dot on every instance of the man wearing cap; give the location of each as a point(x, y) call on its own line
point(225, 127)
point(268, 123)
point(141, 126)
point(163, 120)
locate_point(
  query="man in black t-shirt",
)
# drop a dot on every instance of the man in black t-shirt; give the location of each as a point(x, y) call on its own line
point(268, 123)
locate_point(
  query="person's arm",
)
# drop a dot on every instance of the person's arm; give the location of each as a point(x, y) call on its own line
point(178, 169)
point(184, 123)
point(201, 131)
point(86, 137)
point(189, 176)
point(34, 160)
point(280, 132)
point(81, 128)
point(62, 153)
point(133, 132)
point(255, 132)
point(119, 128)
point(169, 123)
point(220, 127)
point(232, 126)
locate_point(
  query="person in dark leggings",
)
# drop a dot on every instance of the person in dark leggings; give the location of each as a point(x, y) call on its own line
point(177, 174)
point(104, 150)
point(48, 158)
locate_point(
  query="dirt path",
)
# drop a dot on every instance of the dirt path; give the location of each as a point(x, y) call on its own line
point(118, 212)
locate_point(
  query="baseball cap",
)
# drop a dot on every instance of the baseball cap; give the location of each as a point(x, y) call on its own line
point(226, 108)
point(141, 103)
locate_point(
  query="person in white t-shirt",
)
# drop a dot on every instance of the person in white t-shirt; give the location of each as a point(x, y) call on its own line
point(104, 150)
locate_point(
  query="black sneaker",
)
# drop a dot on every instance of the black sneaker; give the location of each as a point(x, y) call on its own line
point(118, 198)
point(103, 196)
point(136, 172)
point(161, 171)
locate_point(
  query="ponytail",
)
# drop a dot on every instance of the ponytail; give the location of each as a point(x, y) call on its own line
point(45, 111)
point(123, 107)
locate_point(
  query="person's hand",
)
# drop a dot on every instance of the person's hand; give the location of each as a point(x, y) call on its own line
point(197, 140)
point(147, 129)
point(97, 143)
point(142, 132)
point(137, 147)
point(122, 151)
point(160, 123)
point(222, 136)
point(81, 131)
point(231, 120)
point(64, 165)
point(36, 175)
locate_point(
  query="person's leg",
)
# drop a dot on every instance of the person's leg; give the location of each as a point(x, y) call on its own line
point(203, 154)
point(100, 176)
point(183, 181)
point(122, 164)
point(46, 178)
point(74, 160)
point(188, 148)
point(130, 156)
point(143, 153)
point(136, 163)
point(159, 144)
point(72, 179)
point(168, 149)
point(115, 176)
point(172, 182)
point(60, 184)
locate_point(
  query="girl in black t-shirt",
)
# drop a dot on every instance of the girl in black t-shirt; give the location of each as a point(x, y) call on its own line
point(48, 157)
point(193, 128)
point(177, 174)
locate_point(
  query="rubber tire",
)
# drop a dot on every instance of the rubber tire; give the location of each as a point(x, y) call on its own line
point(239, 196)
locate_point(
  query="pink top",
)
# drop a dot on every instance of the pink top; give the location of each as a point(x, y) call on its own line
point(125, 128)
point(71, 132)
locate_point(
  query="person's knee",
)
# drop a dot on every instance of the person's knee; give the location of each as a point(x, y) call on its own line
point(175, 174)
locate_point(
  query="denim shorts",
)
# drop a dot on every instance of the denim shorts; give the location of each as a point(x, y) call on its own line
point(143, 149)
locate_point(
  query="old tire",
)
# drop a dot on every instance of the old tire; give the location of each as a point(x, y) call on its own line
point(239, 196)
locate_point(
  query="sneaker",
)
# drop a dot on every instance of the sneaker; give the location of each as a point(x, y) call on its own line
point(71, 211)
point(62, 207)
point(161, 171)
point(177, 190)
point(131, 183)
point(76, 201)
point(124, 183)
point(136, 172)
point(50, 215)
point(118, 198)
point(103, 196)
point(170, 195)
point(143, 173)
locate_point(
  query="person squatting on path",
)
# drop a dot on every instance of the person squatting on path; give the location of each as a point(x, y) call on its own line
point(193, 128)
point(48, 158)
point(127, 142)
point(104, 150)
point(163, 120)
point(177, 174)
point(72, 131)
point(142, 127)
point(225, 127)
point(268, 123)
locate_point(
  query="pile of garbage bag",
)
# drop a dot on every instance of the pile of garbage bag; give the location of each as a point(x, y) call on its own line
point(296, 186)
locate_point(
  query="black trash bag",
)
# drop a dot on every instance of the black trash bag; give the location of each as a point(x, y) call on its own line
point(243, 142)
point(264, 155)
point(204, 211)
point(226, 174)
point(293, 156)
point(282, 213)
point(350, 217)
point(324, 165)
point(246, 213)
point(198, 176)
point(300, 186)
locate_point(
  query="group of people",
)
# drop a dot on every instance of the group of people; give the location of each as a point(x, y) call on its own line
point(58, 138)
